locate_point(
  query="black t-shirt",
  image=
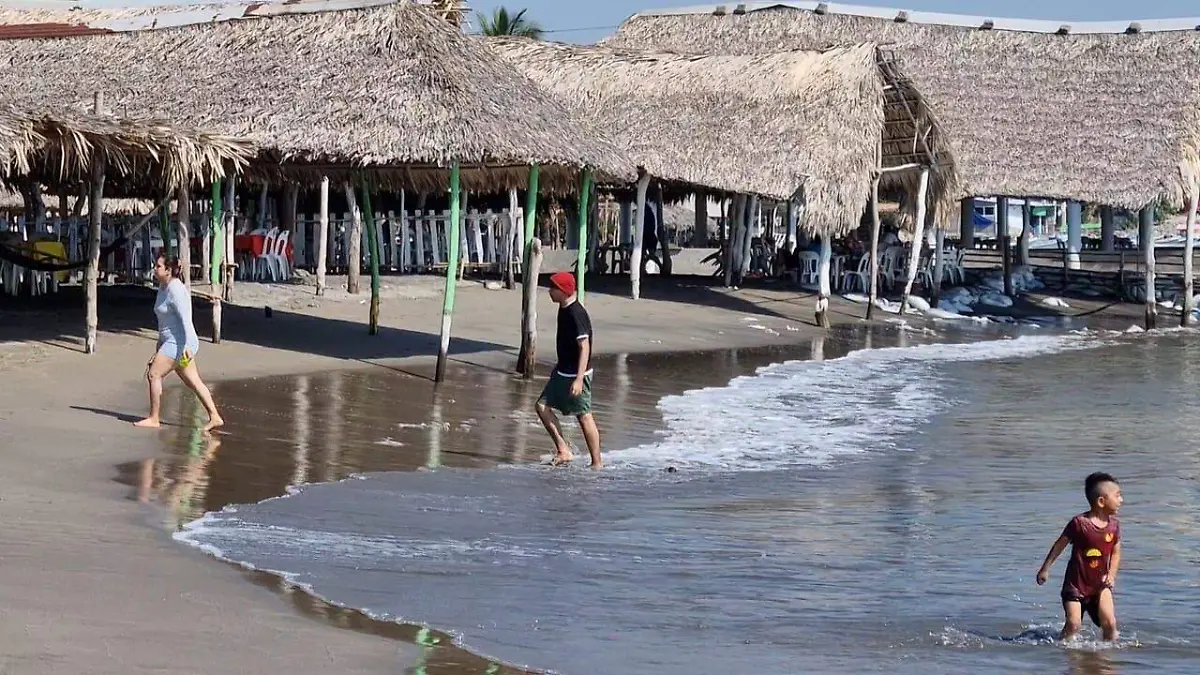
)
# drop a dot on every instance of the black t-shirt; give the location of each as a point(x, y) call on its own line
point(573, 325)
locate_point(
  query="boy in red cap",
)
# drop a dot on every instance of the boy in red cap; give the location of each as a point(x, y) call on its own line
point(569, 389)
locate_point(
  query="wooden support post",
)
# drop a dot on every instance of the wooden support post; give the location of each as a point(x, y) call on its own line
point(1002, 231)
point(95, 216)
point(229, 221)
point(1026, 234)
point(966, 232)
point(823, 277)
point(700, 226)
point(1146, 230)
point(664, 240)
point(218, 242)
point(183, 211)
point(1107, 228)
point(164, 233)
point(1189, 243)
point(216, 318)
point(454, 243)
point(639, 231)
point(939, 266)
point(918, 240)
point(873, 266)
point(529, 274)
point(527, 357)
point(750, 227)
point(585, 193)
point(354, 243)
point(511, 239)
point(323, 236)
point(373, 251)
point(737, 214)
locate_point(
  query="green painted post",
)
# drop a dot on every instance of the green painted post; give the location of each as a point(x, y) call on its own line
point(373, 249)
point(454, 240)
point(218, 239)
point(585, 191)
point(527, 263)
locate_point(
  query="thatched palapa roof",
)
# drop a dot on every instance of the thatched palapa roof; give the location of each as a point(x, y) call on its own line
point(325, 90)
point(772, 125)
point(1029, 108)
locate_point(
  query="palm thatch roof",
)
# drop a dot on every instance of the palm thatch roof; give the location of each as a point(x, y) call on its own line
point(773, 125)
point(324, 90)
point(1107, 118)
point(59, 147)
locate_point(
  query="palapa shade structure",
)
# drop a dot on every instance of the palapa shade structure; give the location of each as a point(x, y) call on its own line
point(1029, 108)
point(385, 85)
point(804, 124)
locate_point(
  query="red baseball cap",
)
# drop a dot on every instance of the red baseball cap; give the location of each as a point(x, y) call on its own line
point(563, 281)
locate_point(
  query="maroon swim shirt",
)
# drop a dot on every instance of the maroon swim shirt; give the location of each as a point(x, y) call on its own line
point(1091, 556)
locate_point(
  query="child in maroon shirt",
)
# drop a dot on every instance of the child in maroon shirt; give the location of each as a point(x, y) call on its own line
point(1095, 539)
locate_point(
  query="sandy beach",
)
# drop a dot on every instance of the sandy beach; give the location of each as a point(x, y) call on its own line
point(90, 587)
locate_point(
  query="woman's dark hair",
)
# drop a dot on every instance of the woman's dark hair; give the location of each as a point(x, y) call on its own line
point(172, 264)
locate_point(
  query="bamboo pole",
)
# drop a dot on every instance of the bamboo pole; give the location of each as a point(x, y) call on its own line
point(639, 233)
point(373, 250)
point(183, 211)
point(454, 243)
point(323, 236)
point(873, 267)
point(823, 276)
point(528, 355)
point(585, 193)
point(1146, 225)
point(914, 254)
point(354, 245)
point(95, 218)
point(1189, 243)
point(529, 274)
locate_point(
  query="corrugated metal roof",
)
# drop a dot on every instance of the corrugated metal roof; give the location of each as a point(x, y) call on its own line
point(941, 19)
point(47, 19)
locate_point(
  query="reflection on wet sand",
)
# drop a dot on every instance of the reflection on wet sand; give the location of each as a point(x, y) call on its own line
point(286, 431)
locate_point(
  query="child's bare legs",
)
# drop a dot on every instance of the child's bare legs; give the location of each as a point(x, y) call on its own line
point(158, 368)
point(1108, 614)
point(591, 434)
point(191, 377)
point(550, 421)
point(1074, 613)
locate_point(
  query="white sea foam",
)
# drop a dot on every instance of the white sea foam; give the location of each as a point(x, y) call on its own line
point(807, 413)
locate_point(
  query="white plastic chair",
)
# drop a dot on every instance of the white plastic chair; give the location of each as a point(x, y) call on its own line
point(277, 258)
point(857, 280)
point(810, 264)
point(262, 263)
point(889, 265)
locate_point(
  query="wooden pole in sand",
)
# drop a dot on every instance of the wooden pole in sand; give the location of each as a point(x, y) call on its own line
point(453, 243)
point(217, 251)
point(323, 236)
point(354, 246)
point(1005, 243)
point(373, 250)
point(183, 210)
point(873, 267)
point(1146, 227)
point(585, 193)
point(737, 214)
point(1189, 243)
point(665, 267)
point(918, 240)
point(529, 278)
point(229, 220)
point(95, 219)
point(529, 318)
point(639, 232)
point(823, 280)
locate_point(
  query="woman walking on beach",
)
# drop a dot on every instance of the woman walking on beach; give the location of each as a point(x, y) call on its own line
point(177, 345)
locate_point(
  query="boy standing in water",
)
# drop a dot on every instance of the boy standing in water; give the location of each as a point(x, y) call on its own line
point(569, 389)
point(1095, 539)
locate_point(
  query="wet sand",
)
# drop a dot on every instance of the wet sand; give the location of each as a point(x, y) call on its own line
point(90, 588)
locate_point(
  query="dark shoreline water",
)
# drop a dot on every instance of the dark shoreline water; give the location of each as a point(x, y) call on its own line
point(466, 428)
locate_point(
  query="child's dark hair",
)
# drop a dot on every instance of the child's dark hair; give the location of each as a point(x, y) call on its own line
point(1091, 485)
point(173, 266)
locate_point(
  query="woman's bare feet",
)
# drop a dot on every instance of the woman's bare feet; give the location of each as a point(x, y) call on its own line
point(148, 423)
point(215, 422)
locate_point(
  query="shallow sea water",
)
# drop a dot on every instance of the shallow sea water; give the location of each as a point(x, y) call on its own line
point(869, 511)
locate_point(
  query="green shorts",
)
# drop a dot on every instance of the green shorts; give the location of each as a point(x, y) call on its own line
point(557, 395)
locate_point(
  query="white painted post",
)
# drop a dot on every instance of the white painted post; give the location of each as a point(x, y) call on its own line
point(419, 229)
point(1189, 244)
point(823, 277)
point(635, 263)
point(914, 254)
point(323, 236)
point(1146, 230)
point(477, 235)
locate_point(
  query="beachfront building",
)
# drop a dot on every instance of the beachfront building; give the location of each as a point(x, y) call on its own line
point(813, 129)
point(1098, 112)
point(368, 96)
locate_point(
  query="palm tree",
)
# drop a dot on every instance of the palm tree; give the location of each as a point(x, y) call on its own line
point(503, 23)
